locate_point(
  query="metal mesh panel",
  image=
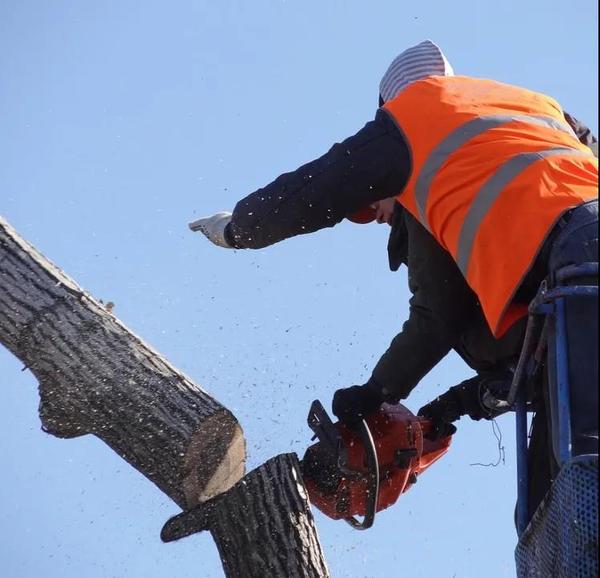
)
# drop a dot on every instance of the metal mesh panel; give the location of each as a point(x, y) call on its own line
point(561, 541)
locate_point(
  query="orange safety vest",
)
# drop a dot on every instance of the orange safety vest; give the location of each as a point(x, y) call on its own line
point(494, 168)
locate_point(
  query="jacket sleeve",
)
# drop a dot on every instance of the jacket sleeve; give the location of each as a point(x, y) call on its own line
point(371, 165)
point(441, 306)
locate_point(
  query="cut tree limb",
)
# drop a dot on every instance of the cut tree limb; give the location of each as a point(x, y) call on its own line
point(96, 377)
point(263, 526)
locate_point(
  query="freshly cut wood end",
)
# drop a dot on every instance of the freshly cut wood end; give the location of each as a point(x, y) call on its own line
point(215, 460)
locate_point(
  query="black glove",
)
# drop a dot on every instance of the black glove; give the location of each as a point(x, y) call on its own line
point(464, 399)
point(441, 412)
point(457, 401)
point(352, 404)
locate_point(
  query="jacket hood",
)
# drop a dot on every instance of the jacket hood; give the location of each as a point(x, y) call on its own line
point(415, 63)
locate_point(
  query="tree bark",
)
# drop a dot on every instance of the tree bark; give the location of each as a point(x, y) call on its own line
point(263, 526)
point(96, 377)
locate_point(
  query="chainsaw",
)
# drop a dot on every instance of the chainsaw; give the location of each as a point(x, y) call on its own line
point(350, 472)
point(361, 471)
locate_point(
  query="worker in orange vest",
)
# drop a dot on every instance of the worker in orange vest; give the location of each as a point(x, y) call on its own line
point(488, 187)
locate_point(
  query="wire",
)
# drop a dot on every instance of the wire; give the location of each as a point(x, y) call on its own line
point(501, 455)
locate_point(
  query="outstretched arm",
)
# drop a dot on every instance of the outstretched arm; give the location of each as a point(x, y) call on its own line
point(371, 165)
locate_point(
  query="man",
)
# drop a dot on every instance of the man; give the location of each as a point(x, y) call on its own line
point(485, 176)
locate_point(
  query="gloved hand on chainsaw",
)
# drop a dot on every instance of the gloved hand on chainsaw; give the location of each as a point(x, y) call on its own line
point(466, 398)
point(442, 411)
point(352, 404)
point(214, 228)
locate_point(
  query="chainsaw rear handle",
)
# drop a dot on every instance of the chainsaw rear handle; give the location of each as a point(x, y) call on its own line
point(373, 480)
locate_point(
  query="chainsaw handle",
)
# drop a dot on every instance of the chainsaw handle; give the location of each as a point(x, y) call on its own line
point(373, 479)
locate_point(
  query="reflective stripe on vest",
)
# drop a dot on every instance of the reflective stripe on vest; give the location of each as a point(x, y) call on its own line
point(489, 193)
point(459, 137)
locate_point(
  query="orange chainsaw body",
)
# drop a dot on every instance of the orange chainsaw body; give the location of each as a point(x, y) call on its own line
point(340, 488)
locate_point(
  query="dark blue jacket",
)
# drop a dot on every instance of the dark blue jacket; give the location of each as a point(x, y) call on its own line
point(445, 314)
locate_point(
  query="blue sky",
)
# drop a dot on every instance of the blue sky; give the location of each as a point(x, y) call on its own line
point(124, 120)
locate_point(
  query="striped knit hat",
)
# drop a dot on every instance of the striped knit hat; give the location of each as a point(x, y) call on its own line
point(420, 61)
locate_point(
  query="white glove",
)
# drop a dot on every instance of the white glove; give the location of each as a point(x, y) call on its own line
point(213, 228)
